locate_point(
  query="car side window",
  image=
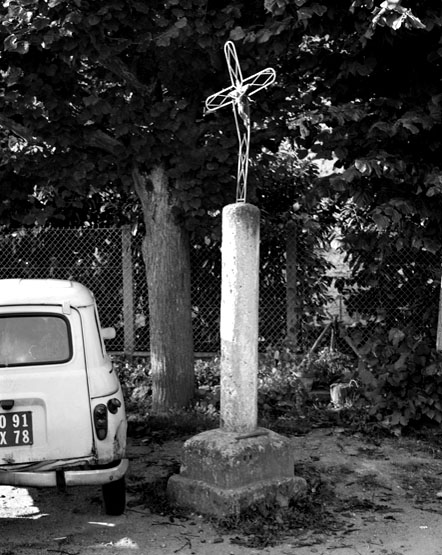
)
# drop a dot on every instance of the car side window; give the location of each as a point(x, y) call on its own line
point(30, 339)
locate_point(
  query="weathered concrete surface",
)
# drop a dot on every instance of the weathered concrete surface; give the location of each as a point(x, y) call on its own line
point(223, 473)
point(239, 317)
point(226, 470)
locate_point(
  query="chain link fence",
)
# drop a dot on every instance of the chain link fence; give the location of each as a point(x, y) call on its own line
point(94, 257)
point(386, 291)
point(400, 290)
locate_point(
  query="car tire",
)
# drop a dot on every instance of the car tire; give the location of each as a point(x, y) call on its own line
point(114, 497)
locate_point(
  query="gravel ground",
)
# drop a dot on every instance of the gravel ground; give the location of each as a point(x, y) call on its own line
point(365, 497)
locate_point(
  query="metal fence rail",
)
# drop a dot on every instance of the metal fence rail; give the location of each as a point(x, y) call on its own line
point(109, 262)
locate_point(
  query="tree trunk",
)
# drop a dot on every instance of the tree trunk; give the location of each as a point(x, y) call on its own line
point(166, 253)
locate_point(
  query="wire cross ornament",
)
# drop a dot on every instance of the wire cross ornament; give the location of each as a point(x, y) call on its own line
point(237, 95)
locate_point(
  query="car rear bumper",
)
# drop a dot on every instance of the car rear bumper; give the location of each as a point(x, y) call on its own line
point(80, 477)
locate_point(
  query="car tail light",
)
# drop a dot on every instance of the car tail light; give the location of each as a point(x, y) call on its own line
point(100, 421)
point(113, 405)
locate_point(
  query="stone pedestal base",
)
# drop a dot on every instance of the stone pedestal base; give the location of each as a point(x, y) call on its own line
point(224, 473)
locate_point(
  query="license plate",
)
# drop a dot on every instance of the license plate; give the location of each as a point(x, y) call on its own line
point(15, 428)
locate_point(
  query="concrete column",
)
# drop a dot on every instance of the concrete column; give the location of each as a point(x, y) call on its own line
point(239, 318)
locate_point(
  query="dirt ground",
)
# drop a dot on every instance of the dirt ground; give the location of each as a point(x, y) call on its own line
point(379, 496)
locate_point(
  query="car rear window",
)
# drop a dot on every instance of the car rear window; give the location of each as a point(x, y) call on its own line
point(29, 339)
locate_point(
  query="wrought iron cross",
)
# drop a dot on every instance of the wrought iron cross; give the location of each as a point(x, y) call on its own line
point(237, 95)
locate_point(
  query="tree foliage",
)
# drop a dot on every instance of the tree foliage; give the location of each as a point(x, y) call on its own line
point(110, 95)
point(368, 98)
point(92, 91)
point(96, 87)
point(92, 88)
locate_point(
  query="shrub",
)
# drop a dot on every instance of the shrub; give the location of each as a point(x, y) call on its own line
point(280, 392)
point(324, 367)
point(207, 372)
point(402, 379)
point(329, 366)
point(136, 382)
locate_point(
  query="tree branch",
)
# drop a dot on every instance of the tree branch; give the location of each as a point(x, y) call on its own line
point(101, 140)
point(94, 139)
point(120, 70)
point(17, 129)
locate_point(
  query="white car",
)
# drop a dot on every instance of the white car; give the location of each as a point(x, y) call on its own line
point(62, 415)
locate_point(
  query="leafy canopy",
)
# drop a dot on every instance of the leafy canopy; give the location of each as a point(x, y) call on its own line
point(90, 89)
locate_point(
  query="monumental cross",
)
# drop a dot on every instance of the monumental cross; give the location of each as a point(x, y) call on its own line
point(237, 96)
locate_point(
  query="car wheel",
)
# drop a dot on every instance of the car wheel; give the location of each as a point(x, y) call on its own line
point(114, 497)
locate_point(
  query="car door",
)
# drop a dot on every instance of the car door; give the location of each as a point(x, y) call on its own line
point(45, 409)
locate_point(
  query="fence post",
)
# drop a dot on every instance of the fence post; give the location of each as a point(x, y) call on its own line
point(439, 322)
point(128, 296)
point(292, 295)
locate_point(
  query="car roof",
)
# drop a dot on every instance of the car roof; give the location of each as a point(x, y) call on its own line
point(15, 292)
